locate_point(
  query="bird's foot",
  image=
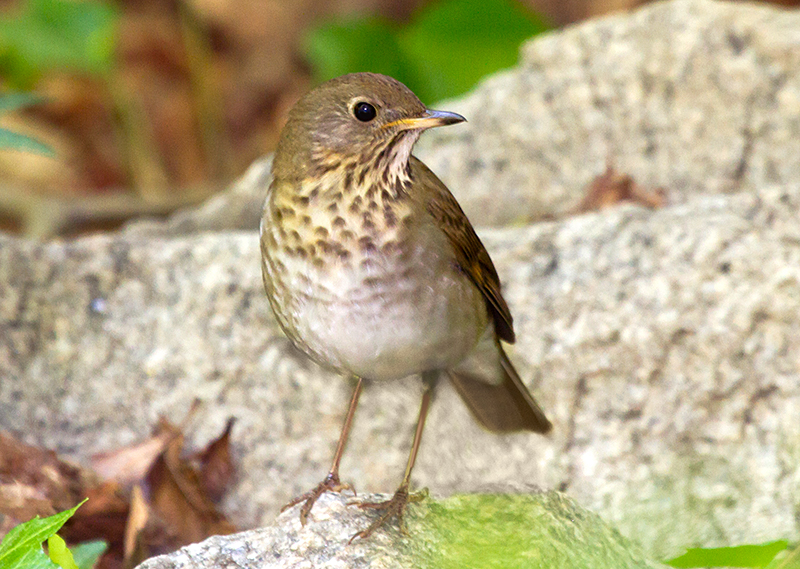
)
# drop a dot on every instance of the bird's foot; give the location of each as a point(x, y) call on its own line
point(396, 506)
point(330, 484)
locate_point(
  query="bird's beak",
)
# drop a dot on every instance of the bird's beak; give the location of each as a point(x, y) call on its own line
point(428, 119)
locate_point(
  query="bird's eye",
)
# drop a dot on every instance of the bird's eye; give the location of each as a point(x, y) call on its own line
point(364, 111)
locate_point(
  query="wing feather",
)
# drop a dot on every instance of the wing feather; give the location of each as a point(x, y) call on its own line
point(471, 256)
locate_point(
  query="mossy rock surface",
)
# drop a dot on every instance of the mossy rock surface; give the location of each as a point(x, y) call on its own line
point(480, 531)
point(503, 531)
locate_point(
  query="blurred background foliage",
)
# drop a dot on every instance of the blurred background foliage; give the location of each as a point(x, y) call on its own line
point(444, 50)
point(54, 35)
point(148, 105)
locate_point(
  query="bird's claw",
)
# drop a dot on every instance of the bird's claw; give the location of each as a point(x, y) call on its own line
point(395, 506)
point(330, 484)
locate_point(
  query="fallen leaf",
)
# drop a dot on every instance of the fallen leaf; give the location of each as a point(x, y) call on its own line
point(35, 481)
point(177, 496)
point(129, 465)
point(137, 519)
point(135, 549)
point(611, 188)
point(147, 500)
point(216, 465)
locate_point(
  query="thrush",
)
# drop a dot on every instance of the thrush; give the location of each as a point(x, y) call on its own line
point(373, 270)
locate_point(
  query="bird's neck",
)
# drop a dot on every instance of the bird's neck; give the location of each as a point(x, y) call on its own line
point(384, 164)
point(347, 188)
point(346, 196)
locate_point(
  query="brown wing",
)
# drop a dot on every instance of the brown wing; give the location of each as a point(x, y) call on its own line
point(471, 255)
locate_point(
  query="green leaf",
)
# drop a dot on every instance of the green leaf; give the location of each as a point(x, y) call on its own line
point(16, 141)
point(33, 560)
point(787, 560)
point(353, 45)
point(87, 553)
point(454, 43)
point(740, 556)
point(22, 546)
point(59, 552)
point(57, 34)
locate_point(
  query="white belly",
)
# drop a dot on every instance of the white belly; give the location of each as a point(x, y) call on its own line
point(395, 328)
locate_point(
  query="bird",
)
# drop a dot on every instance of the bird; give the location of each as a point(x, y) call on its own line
point(373, 270)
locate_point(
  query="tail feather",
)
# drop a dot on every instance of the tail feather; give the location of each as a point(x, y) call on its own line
point(501, 407)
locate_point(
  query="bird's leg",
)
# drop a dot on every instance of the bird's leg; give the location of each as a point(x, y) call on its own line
point(397, 504)
point(331, 483)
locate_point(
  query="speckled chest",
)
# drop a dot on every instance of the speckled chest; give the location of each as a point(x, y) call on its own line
point(336, 237)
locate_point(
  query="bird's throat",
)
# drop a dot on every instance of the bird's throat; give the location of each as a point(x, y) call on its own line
point(384, 164)
point(397, 170)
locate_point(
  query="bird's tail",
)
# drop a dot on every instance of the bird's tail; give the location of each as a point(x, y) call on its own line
point(496, 396)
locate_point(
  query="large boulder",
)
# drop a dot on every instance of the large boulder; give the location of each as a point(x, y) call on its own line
point(662, 343)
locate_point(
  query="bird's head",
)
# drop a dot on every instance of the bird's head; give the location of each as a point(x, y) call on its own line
point(362, 117)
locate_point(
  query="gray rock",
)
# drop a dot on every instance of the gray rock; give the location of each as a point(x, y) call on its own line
point(237, 208)
point(662, 343)
point(457, 532)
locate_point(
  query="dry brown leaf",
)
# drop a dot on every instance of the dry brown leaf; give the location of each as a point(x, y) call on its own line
point(177, 496)
point(21, 502)
point(34, 481)
point(216, 465)
point(133, 547)
point(612, 188)
point(152, 500)
point(129, 465)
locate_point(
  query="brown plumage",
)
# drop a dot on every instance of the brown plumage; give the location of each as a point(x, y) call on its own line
point(504, 405)
point(372, 268)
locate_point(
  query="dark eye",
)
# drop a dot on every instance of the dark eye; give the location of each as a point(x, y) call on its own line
point(364, 112)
